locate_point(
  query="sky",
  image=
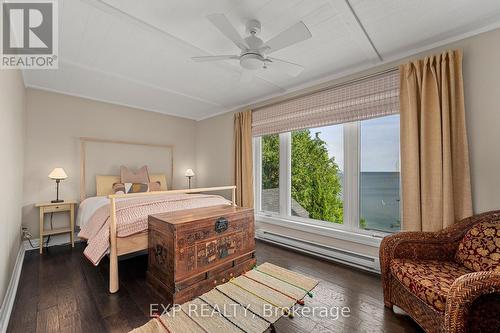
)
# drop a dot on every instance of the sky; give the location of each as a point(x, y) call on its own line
point(379, 139)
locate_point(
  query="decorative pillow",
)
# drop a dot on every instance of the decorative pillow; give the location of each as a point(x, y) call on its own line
point(126, 188)
point(154, 186)
point(128, 176)
point(479, 250)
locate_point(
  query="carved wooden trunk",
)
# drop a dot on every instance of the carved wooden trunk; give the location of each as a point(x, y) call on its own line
point(192, 251)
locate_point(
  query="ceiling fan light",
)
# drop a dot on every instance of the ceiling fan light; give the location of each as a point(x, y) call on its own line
point(251, 61)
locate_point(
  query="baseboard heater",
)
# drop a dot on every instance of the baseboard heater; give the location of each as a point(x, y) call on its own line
point(357, 260)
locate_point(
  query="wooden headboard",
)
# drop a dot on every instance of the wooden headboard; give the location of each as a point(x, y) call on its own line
point(104, 184)
point(101, 158)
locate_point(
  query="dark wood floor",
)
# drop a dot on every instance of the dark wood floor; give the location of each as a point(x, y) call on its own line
point(62, 292)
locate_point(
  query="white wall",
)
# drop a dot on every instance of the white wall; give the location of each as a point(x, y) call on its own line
point(54, 123)
point(481, 70)
point(12, 113)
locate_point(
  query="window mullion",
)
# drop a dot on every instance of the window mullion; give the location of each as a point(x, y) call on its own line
point(257, 171)
point(351, 175)
point(285, 173)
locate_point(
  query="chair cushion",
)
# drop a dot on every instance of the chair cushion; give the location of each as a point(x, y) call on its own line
point(479, 250)
point(429, 280)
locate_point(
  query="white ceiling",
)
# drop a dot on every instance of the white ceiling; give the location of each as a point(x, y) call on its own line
point(137, 53)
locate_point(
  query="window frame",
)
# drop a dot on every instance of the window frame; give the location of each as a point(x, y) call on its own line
point(351, 182)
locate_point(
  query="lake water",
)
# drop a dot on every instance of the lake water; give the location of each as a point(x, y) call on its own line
point(380, 200)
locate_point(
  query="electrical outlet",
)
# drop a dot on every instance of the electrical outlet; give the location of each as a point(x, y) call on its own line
point(25, 233)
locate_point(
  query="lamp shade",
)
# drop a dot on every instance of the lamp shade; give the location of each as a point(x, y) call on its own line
point(189, 173)
point(58, 173)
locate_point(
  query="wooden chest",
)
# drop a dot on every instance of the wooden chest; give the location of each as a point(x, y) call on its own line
point(192, 251)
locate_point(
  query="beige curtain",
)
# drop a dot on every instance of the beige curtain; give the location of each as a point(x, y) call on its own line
point(434, 150)
point(243, 165)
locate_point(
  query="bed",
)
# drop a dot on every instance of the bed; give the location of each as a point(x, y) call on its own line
point(116, 224)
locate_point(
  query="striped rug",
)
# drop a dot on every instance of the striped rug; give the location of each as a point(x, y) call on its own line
point(250, 303)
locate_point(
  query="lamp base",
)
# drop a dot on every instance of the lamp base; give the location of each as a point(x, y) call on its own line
point(56, 201)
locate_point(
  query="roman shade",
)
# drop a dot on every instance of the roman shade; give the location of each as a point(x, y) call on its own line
point(375, 96)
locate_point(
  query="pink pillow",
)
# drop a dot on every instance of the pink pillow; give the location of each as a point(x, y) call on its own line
point(128, 176)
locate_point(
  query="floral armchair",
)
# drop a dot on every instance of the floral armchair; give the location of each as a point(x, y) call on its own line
point(447, 281)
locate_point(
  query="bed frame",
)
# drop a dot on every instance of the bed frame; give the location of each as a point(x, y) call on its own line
point(120, 246)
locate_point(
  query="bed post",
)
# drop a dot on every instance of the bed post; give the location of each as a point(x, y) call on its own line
point(233, 196)
point(113, 255)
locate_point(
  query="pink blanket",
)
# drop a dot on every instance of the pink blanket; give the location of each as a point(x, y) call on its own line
point(132, 217)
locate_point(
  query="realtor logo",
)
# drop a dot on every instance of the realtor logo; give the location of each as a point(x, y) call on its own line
point(29, 34)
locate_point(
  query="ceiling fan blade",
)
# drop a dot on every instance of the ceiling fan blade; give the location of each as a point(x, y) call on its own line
point(246, 76)
point(214, 58)
point(222, 23)
point(295, 34)
point(285, 66)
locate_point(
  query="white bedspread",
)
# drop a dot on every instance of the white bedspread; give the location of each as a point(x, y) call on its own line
point(89, 206)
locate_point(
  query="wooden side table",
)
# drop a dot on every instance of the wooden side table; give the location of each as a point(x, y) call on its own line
point(48, 207)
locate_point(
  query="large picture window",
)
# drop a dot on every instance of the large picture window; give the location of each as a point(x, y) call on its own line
point(343, 176)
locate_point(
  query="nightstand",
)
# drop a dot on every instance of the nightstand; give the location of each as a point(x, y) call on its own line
point(48, 208)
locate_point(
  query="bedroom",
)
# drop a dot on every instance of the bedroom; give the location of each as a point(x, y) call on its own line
point(326, 139)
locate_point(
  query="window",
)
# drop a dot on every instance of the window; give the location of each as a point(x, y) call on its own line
point(343, 176)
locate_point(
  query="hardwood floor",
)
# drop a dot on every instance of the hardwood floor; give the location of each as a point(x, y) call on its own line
point(61, 291)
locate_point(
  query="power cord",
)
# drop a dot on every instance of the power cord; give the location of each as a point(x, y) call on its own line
point(51, 228)
point(27, 236)
point(31, 244)
point(48, 237)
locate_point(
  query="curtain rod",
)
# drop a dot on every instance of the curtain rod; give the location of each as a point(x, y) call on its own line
point(338, 85)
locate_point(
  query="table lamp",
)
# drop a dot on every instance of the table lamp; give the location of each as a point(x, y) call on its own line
point(189, 174)
point(58, 174)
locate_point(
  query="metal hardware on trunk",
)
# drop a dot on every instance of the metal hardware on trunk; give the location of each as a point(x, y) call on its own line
point(221, 224)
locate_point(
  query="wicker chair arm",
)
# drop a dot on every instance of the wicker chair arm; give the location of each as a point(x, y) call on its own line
point(463, 292)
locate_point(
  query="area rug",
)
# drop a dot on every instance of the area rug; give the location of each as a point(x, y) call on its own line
point(249, 303)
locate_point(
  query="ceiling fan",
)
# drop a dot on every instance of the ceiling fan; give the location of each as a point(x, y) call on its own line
point(254, 52)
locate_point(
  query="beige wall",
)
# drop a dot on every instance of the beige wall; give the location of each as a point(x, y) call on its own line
point(482, 100)
point(12, 113)
point(214, 151)
point(482, 105)
point(55, 122)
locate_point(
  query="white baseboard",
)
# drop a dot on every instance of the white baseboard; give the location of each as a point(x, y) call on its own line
point(10, 294)
point(54, 241)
